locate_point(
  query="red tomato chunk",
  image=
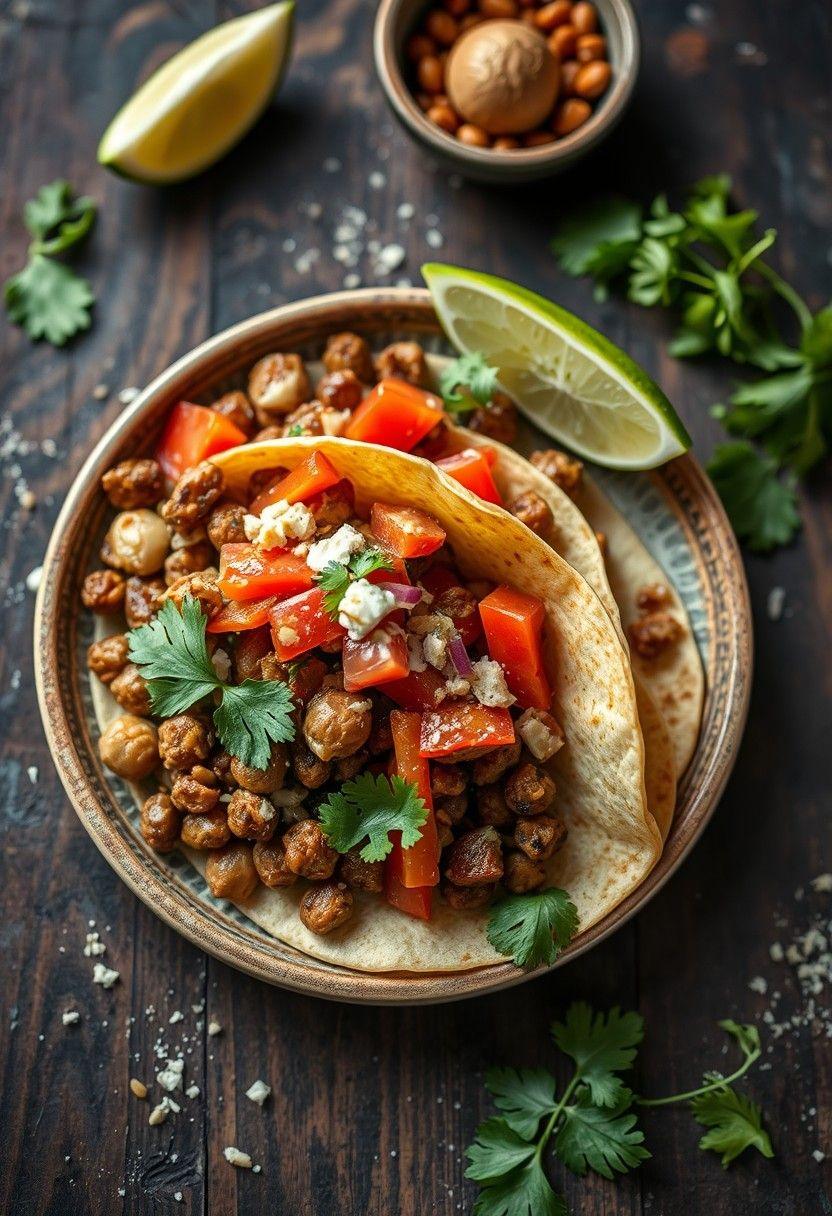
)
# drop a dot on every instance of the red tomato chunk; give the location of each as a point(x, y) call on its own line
point(396, 414)
point(405, 531)
point(457, 725)
point(193, 434)
point(249, 573)
point(302, 623)
point(513, 624)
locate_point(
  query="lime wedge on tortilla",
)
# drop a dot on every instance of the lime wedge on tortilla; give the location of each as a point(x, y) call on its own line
point(565, 377)
point(202, 101)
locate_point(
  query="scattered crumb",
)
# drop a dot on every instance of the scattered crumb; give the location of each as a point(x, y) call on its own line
point(192, 1091)
point(236, 1157)
point(255, 1169)
point(376, 180)
point(818, 1155)
point(177, 1196)
point(258, 1092)
point(160, 1113)
point(332, 165)
point(214, 1028)
point(776, 952)
point(128, 394)
point(170, 1078)
point(32, 773)
point(101, 392)
point(137, 1088)
point(28, 501)
point(33, 578)
point(105, 976)
point(823, 883)
point(70, 1017)
point(758, 984)
point(388, 258)
point(405, 211)
point(774, 603)
point(176, 1016)
point(434, 238)
point(94, 946)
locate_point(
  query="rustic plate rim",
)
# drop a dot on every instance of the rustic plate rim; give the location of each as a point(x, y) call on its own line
point(681, 479)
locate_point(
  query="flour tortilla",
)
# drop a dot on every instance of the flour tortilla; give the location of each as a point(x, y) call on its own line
point(675, 681)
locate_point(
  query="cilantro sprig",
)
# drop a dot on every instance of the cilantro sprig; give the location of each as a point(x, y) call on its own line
point(593, 1123)
point(335, 578)
point(46, 298)
point(172, 655)
point(370, 808)
point(532, 929)
point(707, 263)
point(467, 383)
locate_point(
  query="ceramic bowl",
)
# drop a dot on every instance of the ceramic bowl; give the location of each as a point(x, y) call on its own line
point(396, 21)
point(675, 509)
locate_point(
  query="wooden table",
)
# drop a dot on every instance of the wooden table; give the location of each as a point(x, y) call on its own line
point(371, 1108)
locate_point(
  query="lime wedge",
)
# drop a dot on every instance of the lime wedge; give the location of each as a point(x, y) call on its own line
point(199, 104)
point(566, 377)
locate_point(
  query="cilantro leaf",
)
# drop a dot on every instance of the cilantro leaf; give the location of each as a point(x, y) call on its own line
point(735, 1121)
point(56, 220)
point(532, 929)
point(585, 240)
point(253, 715)
point(368, 561)
point(173, 657)
point(524, 1095)
point(816, 343)
point(762, 507)
point(654, 269)
point(49, 300)
point(601, 1046)
point(509, 1172)
point(369, 808)
point(599, 1138)
point(472, 373)
point(334, 579)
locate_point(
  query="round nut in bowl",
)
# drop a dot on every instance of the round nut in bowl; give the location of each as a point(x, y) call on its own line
point(419, 78)
point(173, 888)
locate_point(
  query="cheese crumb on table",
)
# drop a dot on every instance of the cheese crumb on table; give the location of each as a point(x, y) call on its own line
point(70, 1017)
point(240, 1159)
point(170, 1078)
point(258, 1092)
point(105, 976)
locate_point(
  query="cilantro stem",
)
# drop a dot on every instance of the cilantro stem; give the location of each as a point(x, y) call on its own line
point(698, 280)
point(787, 293)
point(556, 1113)
point(717, 1083)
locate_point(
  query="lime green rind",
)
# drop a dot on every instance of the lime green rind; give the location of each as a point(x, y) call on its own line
point(115, 161)
point(573, 327)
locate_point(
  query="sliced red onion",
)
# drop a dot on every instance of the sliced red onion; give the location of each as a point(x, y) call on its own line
point(459, 656)
point(404, 595)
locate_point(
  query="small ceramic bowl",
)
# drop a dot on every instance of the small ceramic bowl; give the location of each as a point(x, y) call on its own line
point(396, 20)
point(676, 505)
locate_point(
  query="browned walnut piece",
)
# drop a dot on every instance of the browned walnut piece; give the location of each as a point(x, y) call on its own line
point(502, 76)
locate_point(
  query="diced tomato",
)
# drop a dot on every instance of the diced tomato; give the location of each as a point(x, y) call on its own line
point(420, 863)
point(375, 659)
point(194, 433)
point(396, 414)
point(439, 579)
point(414, 901)
point(313, 475)
point(417, 690)
point(252, 646)
point(513, 624)
point(238, 617)
point(489, 455)
point(249, 573)
point(302, 623)
point(307, 678)
point(457, 725)
point(472, 470)
point(405, 531)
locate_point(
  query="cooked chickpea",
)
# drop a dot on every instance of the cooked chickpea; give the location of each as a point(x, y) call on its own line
point(326, 906)
point(457, 8)
point(505, 143)
point(572, 114)
point(231, 873)
point(194, 495)
point(134, 483)
point(430, 73)
point(444, 117)
point(563, 41)
point(130, 690)
point(360, 874)
point(419, 46)
point(225, 525)
point(159, 823)
point(522, 874)
point(270, 863)
point(403, 361)
point(205, 831)
point(593, 79)
point(349, 352)
point(568, 71)
point(498, 8)
point(339, 390)
point(184, 741)
point(469, 21)
point(108, 657)
point(337, 723)
point(237, 409)
point(103, 591)
point(129, 747)
point(201, 586)
point(251, 816)
point(137, 542)
point(472, 135)
point(195, 793)
point(536, 139)
point(262, 780)
point(307, 850)
point(142, 599)
point(189, 559)
point(277, 384)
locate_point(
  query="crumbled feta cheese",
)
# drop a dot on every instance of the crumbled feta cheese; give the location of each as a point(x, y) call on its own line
point(364, 604)
point(33, 578)
point(32, 773)
point(214, 1028)
point(776, 952)
point(287, 636)
point(818, 1155)
point(236, 1157)
point(159, 1113)
point(279, 523)
point(455, 686)
point(823, 883)
point(415, 653)
point(541, 741)
point(192, 1091)
point(337, 548)
point(488, 684)
point(104, 976)
point(170, 1078)
point(94, 946)
point(221, 664)
point(435, 650)
point(176, 1016)
point(258, 1092)
point(774, 603)
point(267, 811)
point(70, 1017)
point(758, 984)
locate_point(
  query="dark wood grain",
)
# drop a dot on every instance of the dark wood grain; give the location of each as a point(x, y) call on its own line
point(371, 1108)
